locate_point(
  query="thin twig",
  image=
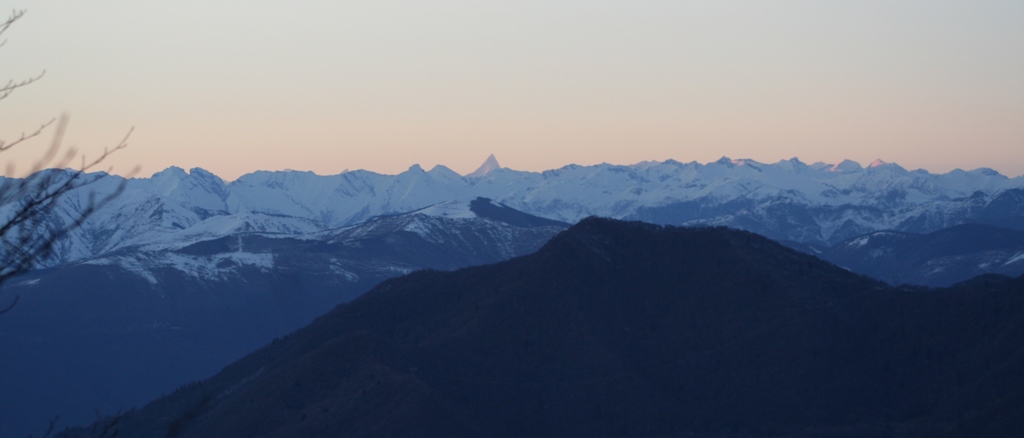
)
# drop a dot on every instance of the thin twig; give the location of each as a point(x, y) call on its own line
point(53, 426)
point(25, 137)
point(15, 15)
point(37, 195)
point(11, 85)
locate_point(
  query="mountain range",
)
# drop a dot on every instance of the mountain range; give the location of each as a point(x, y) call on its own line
point(812, 204)
point(629, 329)
point(184, 272)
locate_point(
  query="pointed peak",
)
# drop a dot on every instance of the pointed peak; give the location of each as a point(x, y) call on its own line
point(444, 173)
point(439, 168)
point(846, 166)
point(879, 165)
point(490, 164)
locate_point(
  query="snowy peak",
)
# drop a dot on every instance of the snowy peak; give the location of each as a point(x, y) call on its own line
point(456, 223)
point(442, 173)
point(846, 166)
point(491, 164)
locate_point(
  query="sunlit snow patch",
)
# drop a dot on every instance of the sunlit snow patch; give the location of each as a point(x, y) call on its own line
point(212, 267)
point(860, 241)
point(1014, 259)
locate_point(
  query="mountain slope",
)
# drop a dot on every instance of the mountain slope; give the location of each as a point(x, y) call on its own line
point(115, 331)
point(629, 329)
point(941, 258)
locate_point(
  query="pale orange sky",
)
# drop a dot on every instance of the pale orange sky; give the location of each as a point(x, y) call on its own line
point(325, 86)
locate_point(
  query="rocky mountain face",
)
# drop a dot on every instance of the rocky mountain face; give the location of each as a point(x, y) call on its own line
point(629, 329)
point(789, 200)
point(111, 332)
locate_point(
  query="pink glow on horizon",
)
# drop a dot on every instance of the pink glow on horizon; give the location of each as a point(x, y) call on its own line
point(385, 85)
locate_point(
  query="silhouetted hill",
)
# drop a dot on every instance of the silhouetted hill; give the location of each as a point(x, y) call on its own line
point(629, 329)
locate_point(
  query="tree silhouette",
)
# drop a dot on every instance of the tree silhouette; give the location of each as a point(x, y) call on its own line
point(26, 202)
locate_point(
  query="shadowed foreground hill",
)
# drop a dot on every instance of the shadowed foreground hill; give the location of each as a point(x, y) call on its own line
point(617, 329)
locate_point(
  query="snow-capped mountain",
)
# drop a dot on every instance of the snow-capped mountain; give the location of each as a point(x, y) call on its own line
point(789, 200)
point(490, 164)
point(446, 235)
point(141, 320)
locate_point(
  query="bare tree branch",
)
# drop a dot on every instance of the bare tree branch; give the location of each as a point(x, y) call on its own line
point(53, 426)
point(4, 145)
point(29, 229)
point(22, 240)
point(11, 85)
point(15, 15)
point(26, 204)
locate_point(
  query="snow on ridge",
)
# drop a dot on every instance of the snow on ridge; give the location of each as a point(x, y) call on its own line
point(846, 166)
point(450, 209)
point(860, 241)
point(210, 267)
point(176, 207)
point(1015, 259)
point(130, 264)
point(216, 227)
point(489, 165)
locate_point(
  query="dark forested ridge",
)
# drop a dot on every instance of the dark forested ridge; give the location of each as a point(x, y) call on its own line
point(629, 329)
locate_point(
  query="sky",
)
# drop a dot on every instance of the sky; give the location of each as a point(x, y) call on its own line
point(234, 87)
